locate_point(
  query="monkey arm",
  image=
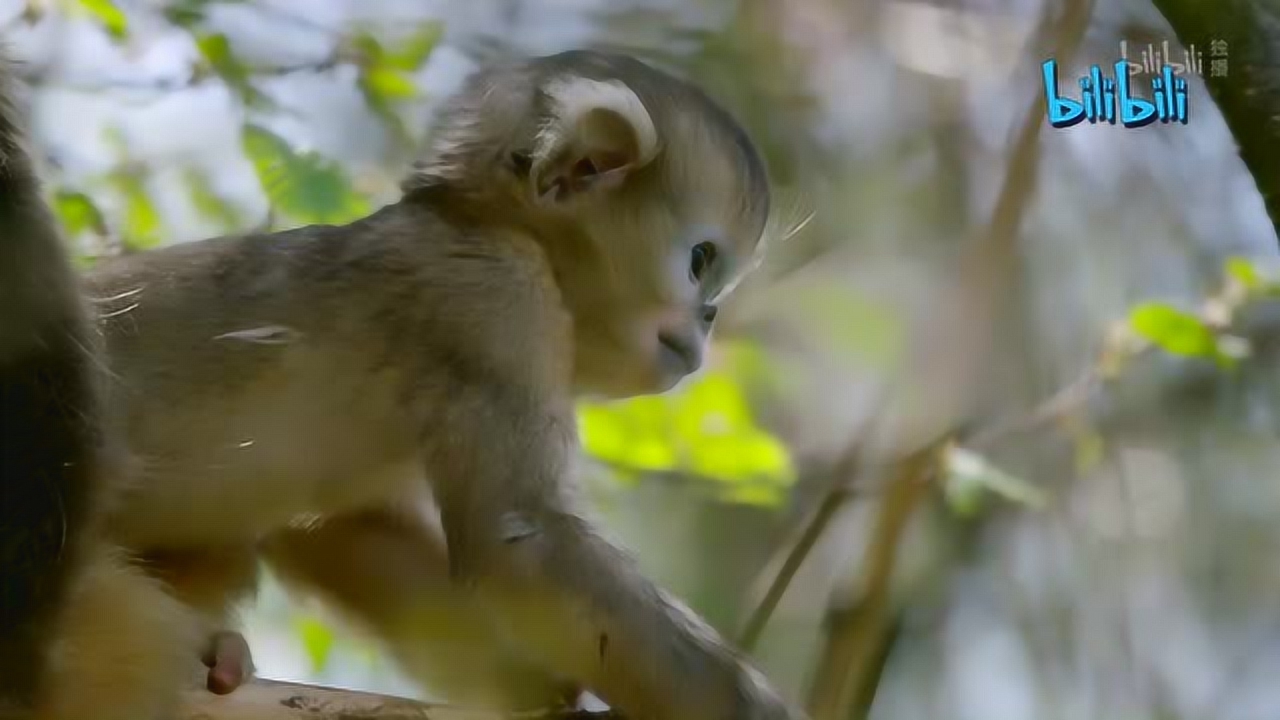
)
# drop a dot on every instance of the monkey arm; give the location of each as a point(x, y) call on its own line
point(557, 589)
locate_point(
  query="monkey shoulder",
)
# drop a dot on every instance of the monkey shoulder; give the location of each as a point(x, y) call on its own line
point(491, 302)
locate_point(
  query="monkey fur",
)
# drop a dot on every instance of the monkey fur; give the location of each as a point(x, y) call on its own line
point(384, 411)
point(64, 587)
point(48, 417)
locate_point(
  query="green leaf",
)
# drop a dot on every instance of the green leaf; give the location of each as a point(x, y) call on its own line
point(1244, 272)
point(304, 186)
point(78, 213)
point(388, 83)
point(215, 48)
point(141, 219)
point(317, 640)
point(382, 87)
point(1174, 330)
point(187, 13)
point(208, 203)
point(383, 79)
point(413, 52)
point(368, 46)
point(110, 16)
point(705, 429)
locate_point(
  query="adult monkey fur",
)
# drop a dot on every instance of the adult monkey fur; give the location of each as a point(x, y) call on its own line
point(48, 412)
point(342, 400)
point(62, 584)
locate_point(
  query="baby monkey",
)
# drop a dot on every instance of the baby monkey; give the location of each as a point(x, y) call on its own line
point(384, 411)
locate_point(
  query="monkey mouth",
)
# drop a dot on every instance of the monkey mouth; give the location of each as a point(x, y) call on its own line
point(679, 354)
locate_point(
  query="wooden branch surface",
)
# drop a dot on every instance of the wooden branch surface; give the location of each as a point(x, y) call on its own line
point(274, 700)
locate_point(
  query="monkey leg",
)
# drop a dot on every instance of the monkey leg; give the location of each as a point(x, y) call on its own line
point(124, 648)
point(211, 581)
point(388, 571)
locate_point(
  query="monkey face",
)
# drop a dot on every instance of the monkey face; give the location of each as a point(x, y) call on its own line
point(645, 294)
point(648, 198)
point(653, 201)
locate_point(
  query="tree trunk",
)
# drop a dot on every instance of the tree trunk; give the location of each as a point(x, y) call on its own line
point(1249, 94)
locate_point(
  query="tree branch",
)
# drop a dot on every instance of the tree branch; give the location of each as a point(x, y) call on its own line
point(1249, 95)
point(274, 700)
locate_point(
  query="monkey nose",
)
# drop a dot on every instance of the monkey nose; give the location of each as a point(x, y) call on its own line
point(709, 314)
point(681, 351)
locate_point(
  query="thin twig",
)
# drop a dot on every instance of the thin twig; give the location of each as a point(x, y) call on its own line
point(841, 488)
point(831, 503)
point(856, 641)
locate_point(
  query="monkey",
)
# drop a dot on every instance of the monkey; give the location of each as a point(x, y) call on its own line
point(48, 418)
point(383, 411)
point(83, 632)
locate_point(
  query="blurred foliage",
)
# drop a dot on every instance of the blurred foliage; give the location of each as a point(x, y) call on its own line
point(302, 185)
point(1208, 333)
point(209, 204)
point(704, 428)
point(78, 213)
point(317, 639)
point(969, 479)
point(106, 12)
point(1175, 331)
point(141, 229)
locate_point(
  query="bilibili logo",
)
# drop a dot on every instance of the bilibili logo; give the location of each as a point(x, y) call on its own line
point(1111, 99)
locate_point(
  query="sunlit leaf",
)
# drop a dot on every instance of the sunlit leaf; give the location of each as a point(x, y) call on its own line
point(389, 83)
point(187, 13)
point(78, 214)
point(383, 87)
point(383, 80)
point(110, 16)
point(208, 203)
point(141, 229)
point(215, 48)
point(317, 640)
point(761, 494)
point(304, 186)
point(413, 52)
point(1173, 330)
point(1244, 272)
point(705, 429)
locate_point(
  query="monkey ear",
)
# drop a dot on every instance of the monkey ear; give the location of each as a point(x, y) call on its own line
point(597, 134)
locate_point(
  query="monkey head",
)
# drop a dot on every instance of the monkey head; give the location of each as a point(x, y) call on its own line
point(647, 197)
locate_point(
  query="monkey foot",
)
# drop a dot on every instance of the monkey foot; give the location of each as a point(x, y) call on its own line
point(229, 661)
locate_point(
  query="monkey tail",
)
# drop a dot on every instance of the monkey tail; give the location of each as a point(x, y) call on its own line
point(49, 432)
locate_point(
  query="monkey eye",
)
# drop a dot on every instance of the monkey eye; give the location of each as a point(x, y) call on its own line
point(521, 163)
point(704, 253)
